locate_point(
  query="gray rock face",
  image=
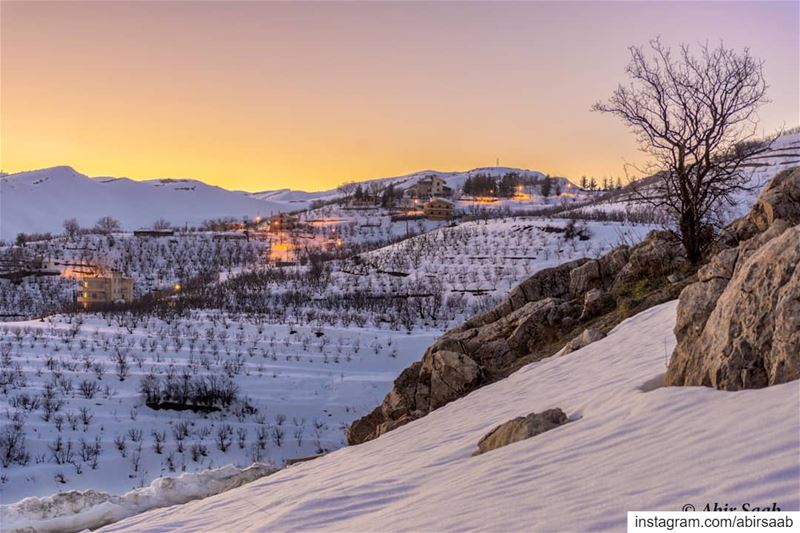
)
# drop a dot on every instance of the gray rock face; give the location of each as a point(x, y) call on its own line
point(521, 428)
point(744, 333)
point(587, 337)
point(537, 317)
point(595, 303)
point(659, 254)
point(780, 200)
point(738, 327)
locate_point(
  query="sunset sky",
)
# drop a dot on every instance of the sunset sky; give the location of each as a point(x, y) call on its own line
point(258, 95)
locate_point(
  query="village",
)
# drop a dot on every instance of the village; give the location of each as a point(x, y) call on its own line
point(363, 217)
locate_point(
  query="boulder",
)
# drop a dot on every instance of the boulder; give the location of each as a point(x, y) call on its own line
point(738, 326)
point(585, 277)
point(780, 200)
point(521, 428)
point(659, 254)
point(451, 374)
point(595, 303)
point(587, 337)
point(743, 333)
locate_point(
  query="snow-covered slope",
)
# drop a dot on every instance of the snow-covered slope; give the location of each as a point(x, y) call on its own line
point(454, 180)
point(40, 201)
point(631, 445)
point(783, 154)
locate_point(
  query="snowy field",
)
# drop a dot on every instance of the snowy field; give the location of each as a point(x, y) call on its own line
point(73, 393)
point(630, 445)
point(490, 257)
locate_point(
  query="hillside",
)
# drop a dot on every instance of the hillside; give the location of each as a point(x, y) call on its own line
point(40, 201)
point(611, 456)
point(783, 154)
point(453, 179)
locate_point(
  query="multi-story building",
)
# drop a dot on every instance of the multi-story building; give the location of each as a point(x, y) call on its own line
point(438, 209)
point(283, 221)
point(428, 187)
point(111, 287)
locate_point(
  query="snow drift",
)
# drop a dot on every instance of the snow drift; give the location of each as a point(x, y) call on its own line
point(78, 510)
point(631, 445)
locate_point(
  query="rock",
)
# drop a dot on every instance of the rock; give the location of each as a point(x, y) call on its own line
point(721, 266)
point(676, 278)
point(595, 303)
point(587, 337)
point(780, 200)
point(521, 428)
point(659, 254)
point(451, 376)
point(744, 333)
point(585, 277)
point(738, 327)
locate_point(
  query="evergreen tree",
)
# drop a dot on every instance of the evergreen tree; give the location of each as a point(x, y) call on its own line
point(546, 187)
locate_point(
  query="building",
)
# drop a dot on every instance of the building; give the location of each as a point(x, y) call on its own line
point(232, 236)
point(438, 209)
point(428, 187)
point(364, 201)
point(283, 221)
point(169, 232)
point(108, 288)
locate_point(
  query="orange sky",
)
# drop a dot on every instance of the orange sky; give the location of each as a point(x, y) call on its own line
point(260, 96)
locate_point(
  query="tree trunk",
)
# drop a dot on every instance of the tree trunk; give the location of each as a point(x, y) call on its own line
point(691, 237)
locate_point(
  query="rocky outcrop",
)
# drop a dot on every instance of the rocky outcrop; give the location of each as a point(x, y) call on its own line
point(587, 337)
point(521, 428)
point(535, 320)
point(738, 326)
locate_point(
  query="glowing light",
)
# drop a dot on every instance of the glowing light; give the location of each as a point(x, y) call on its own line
point(280, 251)
point(177, 287)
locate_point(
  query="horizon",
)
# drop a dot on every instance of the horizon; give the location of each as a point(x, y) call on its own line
point(266, 96)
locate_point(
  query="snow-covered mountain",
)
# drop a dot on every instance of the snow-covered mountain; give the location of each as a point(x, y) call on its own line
point(40, 200)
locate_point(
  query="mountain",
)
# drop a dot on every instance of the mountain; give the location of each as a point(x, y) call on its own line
point(40, 200)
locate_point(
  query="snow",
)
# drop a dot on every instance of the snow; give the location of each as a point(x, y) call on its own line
point(78, 510)
point(783, 154)
point(39, 201)
point(631, 445)
point(453, 179)
point(305, 386)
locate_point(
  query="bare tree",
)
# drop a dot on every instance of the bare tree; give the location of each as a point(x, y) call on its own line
point(107, 225)
point(71, 228)
point(162, 224)
point(696, 117)
point(347, 188)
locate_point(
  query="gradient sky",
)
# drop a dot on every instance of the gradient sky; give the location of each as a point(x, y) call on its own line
point(258, 95)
